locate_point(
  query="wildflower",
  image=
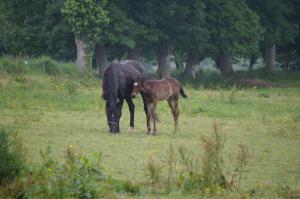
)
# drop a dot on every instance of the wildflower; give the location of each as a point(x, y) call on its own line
point(207, 190)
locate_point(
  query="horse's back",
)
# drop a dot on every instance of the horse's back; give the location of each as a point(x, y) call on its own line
point(121, 76)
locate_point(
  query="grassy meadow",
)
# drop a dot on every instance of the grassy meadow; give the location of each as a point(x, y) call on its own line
point(61, 109)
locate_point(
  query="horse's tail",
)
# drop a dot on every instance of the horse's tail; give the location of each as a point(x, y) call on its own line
point(182, 92)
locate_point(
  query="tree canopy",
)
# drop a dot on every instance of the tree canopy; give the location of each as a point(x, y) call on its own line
point(154, 30)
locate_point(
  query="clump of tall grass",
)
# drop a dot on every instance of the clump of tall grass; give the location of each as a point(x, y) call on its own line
point(13, 65)
point(203, 174)
point(43, 64)
point(231, 97)
point(154, 175)
point(212, 160)
point(12, 151)
point(78, 176)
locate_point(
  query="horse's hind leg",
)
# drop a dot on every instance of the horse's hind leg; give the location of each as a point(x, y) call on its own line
point(154, 117)
point(173, 103)
point(131, 110)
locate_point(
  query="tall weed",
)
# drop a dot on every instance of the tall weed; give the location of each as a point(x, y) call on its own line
point(12, 162)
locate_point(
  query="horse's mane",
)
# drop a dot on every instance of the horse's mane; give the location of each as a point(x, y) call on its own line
point(110, 82)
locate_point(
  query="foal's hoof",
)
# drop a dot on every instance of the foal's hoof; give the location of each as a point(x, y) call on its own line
point(130, 130)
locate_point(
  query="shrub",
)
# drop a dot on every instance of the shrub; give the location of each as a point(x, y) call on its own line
point(12, 162)
point(47, 65)
point(207, 178)
point(13, 65)
point(71, 88)
point(78, 176)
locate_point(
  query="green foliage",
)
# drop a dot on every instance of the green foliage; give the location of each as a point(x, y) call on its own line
point(86, 17)
point(154, 175)
point(47, 111)
point(13, 65)
point(46, 65)
point(12, 162)
point(234, 28)
point(212, 169)
point(78, 176)
point(274, 16)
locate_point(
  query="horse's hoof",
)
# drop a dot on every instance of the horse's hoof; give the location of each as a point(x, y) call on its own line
point(130, 130)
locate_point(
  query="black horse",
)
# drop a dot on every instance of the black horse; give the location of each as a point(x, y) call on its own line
point(117, 85)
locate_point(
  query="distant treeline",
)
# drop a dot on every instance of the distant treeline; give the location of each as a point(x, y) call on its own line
point(99, 31)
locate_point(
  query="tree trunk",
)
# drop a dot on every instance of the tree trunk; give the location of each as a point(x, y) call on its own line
point(101, 59)
point(164, 62)
point(134, 54)
point(224, 64)
point(81, 61)
point(271, 58)
point(253, 60)
point(179, 62)
point(190, 69)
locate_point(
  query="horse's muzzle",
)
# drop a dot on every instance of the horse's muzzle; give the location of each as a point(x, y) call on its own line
point(113, 128)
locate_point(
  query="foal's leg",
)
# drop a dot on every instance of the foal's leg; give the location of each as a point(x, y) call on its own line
point(131, 110)
point(146, 109)
point(149, 111)
point(154, 117)
point(173, 103)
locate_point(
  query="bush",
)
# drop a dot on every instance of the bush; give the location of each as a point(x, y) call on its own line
point(46, 65)
point(13, 65)
point(12, 162)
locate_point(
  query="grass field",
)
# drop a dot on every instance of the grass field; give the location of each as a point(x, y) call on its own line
point(62, 111)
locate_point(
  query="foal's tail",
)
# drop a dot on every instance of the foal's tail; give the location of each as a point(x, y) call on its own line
point(182, 92)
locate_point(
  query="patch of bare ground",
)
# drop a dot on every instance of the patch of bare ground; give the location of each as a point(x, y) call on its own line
point(256, 83)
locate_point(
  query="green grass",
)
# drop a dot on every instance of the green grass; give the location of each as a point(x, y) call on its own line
point(63, 110)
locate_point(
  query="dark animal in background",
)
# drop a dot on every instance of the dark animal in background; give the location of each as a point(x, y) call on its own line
point(118, 80)
point(154, 91)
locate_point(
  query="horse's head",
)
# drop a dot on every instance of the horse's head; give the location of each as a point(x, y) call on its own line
point(137, 87)
point(113, 114)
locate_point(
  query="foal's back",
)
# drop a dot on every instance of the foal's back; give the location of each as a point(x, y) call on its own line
point(162, 89)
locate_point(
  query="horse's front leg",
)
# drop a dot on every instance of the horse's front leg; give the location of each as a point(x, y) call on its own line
point(131, 110)
point(119, 106)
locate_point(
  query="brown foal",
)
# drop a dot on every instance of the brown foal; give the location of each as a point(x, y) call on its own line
point(158, 90)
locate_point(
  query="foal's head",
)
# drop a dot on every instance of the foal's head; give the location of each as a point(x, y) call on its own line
point(137, 87)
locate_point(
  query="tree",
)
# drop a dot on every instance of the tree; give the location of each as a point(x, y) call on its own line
point(87, 18)
point(278, 29)
point(118, 33)
point(234, 30)
point(23, 33)
point(155, 19)
point(35, 28)
point(58, 34)
point(190, 38)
